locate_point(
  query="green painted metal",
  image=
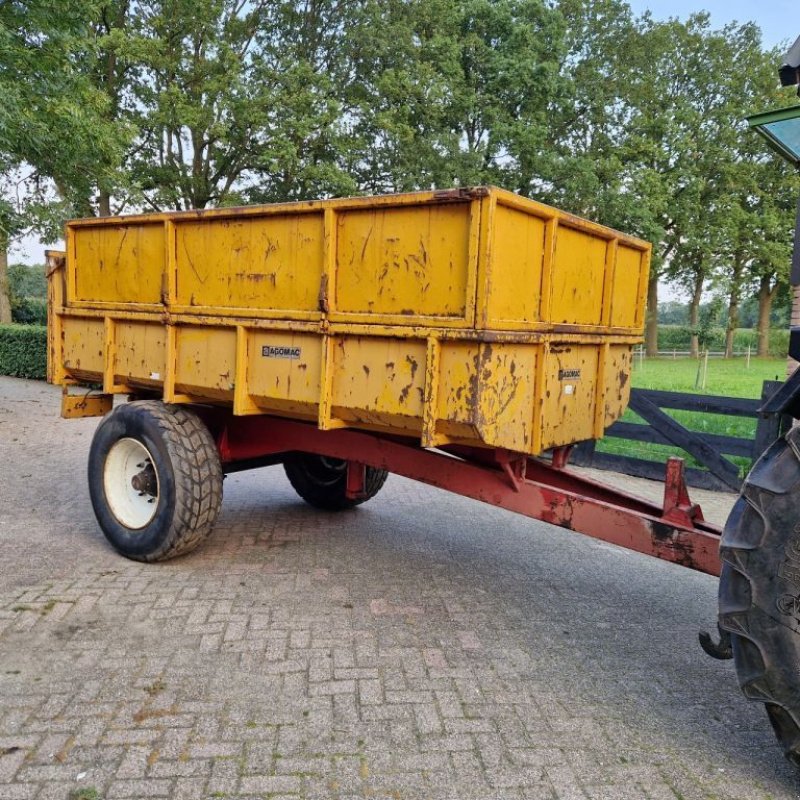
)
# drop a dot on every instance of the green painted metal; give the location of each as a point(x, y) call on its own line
point(781, 130)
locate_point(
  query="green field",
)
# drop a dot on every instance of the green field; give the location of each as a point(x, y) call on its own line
point(727, 377)
point(730, 377)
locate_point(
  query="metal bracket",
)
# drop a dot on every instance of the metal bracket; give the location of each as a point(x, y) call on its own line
point(514, 467)
point(721, 650)
point(90, 404)
point(355, 488)
point(678, 507)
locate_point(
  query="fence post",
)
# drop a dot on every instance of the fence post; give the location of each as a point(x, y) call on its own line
point(768, 427)
point(583, 453)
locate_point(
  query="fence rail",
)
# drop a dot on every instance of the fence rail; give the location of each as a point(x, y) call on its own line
point(709, 449)
point(688, 353)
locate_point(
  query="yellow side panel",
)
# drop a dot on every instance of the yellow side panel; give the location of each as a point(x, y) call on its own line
point(284, 369)
point(506, 401)
point(378, 379)
point(568, 405)
point(617, 382)
point(515, 278)
point(412, 260)
point(457, 397)
point(628, 293)
point(206, 361)
point(84, 346)
point(458, 383)
point(271, 263)
point(119, 263)
point(141, 352)
point(577, 278)
point(487, 392)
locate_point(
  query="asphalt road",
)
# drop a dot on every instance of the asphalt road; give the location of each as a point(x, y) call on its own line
point(422, 646)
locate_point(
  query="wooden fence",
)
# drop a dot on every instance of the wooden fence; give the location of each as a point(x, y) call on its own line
point(709, 449)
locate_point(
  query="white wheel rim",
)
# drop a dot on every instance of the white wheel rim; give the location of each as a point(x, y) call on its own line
point(131, 483)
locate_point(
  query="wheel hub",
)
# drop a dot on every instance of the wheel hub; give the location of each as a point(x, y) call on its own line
point(131, 483)
point(146, 481)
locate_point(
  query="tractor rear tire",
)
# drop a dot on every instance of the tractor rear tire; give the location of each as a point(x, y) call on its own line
point(155, 480)
point(759, 592)
point(322, 481)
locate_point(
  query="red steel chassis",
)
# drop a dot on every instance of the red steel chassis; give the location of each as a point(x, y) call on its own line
point(545, 491)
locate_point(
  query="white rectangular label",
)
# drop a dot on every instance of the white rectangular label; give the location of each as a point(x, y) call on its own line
point(271, 351)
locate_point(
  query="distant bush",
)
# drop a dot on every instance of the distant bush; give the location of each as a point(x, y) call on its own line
point(23, 351)
point(28, 292)
point(779, 342)
point(678, 337)
point(27, 281)
point(29, 310)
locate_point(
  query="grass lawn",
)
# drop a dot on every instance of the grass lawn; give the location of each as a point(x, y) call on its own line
point(730, 377)
point(726, 377)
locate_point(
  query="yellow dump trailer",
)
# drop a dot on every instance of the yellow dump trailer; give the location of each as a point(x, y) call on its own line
point(468, 316)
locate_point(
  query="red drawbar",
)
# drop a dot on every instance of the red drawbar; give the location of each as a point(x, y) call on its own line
point(675, 532)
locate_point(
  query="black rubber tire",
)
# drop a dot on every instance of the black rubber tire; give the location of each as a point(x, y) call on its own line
point(184, 456)
point(759, 592)
point(322, 481)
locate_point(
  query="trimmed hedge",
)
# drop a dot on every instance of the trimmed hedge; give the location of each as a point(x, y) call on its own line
point(23, 351)
point(677, 337)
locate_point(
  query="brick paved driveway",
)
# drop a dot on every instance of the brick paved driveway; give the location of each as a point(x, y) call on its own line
point(424, 646)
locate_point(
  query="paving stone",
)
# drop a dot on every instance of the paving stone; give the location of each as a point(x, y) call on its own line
point(423, 646)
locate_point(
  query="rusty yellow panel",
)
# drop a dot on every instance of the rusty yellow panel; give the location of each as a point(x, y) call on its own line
point(141, 352)
point(268, 264)
point(487, 393)
point(458, 384)
point(84, 347)
point(119, 263)
point(568, 404)
point(409, 261)
point(77, 406)
point(506, 380)
point(577, 278)
point(629, 288)
point(617, 390)
point(378, 379)
point(206, 361)
point(457, 394)
point(515, 272)
point(283, 369)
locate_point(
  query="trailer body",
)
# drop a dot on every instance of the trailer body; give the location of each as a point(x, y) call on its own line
point(450, 337)
point(472, 317)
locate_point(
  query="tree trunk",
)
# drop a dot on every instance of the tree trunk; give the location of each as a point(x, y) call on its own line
point(694, 316)
point(733, 305)
point(765, 297)
point(651, 328)
point(104, 204)
point(5, 293)
point(733, 323)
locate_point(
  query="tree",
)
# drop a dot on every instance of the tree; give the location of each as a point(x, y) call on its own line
point(453, 92)
point(51, 126)
point(194, 98)
point(308, 62)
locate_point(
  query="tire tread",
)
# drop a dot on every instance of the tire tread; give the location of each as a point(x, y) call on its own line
point(754, 528)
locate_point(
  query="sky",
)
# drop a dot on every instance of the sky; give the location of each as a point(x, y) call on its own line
point(777, 19)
